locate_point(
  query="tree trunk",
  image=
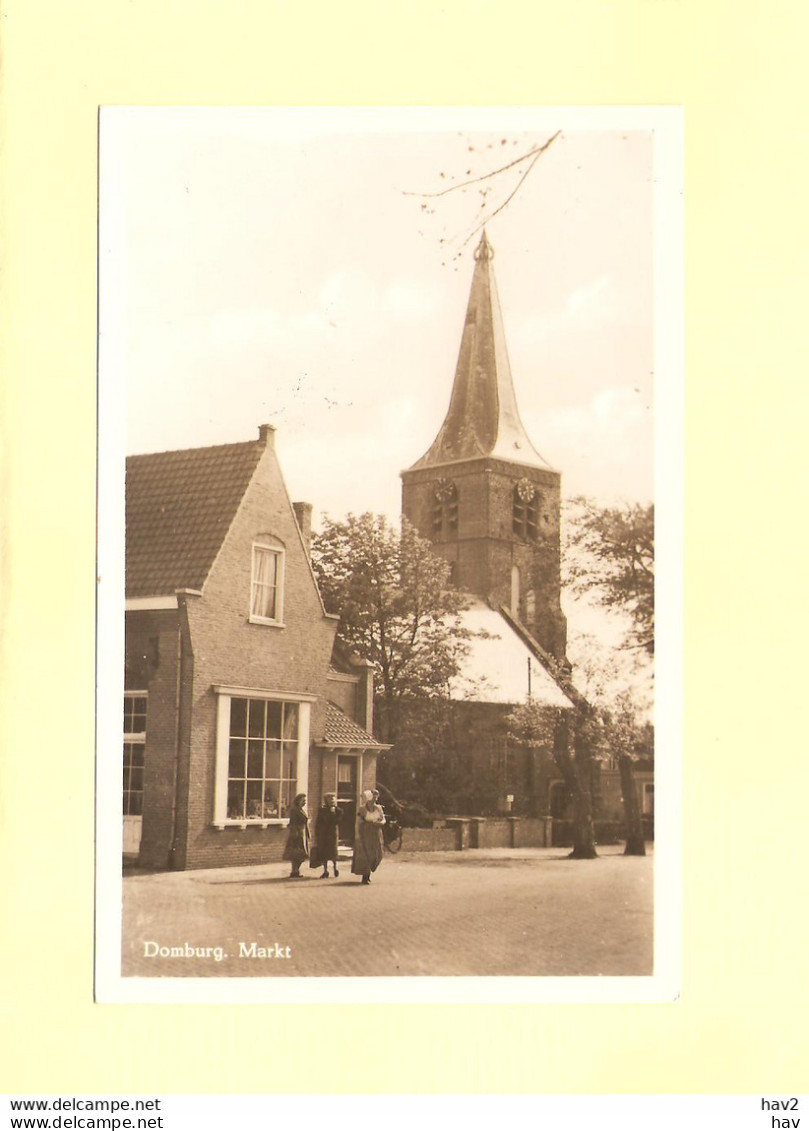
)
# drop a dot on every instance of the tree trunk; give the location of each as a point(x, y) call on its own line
point(635, 843)
point(575, 769)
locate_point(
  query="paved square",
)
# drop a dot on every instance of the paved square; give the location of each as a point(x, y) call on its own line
point(489, 912)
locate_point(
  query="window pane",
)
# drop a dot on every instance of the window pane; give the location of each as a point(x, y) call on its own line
point(265, 583)
point(134, 714)
point(289, 769)
point(287, 792)
point(273, 766)
point(274, 715)
point(263, 603)
point(254, 798)
point(255, 758)
point(265, 567)
point(271, 800)
point(238, 750)
point(238, 716)
point(133, 804)
point(236, 799)
point(133, 778)
point(290, 721)
point(256, 718)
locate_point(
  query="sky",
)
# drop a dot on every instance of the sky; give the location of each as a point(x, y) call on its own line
point(287, 267)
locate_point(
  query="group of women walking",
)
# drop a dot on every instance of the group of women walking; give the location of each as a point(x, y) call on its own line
point(367, 843)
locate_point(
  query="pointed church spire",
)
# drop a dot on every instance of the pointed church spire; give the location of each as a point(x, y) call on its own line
point(482, 419)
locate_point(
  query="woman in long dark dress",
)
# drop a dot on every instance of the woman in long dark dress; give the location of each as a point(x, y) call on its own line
point(327, 825)
point(296, 849)
point(368, 843)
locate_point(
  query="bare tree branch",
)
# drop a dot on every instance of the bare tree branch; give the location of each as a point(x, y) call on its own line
point(485, 176)
point(512, 194)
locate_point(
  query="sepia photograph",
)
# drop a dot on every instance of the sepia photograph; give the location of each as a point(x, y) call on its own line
point(389, 437)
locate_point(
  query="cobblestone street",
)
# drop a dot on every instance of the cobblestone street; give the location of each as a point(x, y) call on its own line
point(489, 912)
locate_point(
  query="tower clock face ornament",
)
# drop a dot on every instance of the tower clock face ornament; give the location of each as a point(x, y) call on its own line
point(526, 490)
point(444, 490)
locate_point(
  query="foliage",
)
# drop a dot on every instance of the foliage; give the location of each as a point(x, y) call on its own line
point(617, 731)
point(568, 738)
point(618, 700)
point(610, 557)
point(396, 607)
point(533, 724)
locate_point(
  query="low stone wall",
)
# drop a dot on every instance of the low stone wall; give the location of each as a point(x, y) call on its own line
point(459, 833)
point(495, 832)
point(429, 840)
point(533, 832)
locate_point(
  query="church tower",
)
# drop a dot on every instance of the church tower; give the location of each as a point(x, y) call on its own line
point(482, 494)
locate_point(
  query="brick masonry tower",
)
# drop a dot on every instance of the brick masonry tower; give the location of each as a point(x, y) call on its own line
point(482, 494)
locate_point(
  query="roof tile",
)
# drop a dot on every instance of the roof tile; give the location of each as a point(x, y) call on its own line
point(179, 506)
point(343, 731)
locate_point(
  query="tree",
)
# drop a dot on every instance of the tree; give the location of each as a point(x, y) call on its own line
point(396, 607)
point(610, 557)
point(569, 735)
point(615, 701)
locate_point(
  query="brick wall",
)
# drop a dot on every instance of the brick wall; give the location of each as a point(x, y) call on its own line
point(429, 840)
point(218, 645)
point(343, 693)
point(230, 650)
point(485, 548)
point(155, 643)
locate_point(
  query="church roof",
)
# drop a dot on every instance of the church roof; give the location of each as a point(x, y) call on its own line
point(497, 667)
point(179, 507)
point(482, 419)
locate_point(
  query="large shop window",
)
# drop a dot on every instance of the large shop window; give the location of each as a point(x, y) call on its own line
point(262, 756)
point(267, 583)
point(134, 748)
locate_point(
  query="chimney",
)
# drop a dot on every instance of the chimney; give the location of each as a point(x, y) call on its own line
point(303, 514)
point(266, 435)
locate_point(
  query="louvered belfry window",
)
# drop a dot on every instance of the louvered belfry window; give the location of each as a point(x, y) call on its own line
point(525, 511)
point(444, 510)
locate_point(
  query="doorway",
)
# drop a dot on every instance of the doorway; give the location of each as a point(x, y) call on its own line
point(347, 796)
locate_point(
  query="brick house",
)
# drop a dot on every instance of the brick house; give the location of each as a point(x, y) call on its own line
point(235, 697)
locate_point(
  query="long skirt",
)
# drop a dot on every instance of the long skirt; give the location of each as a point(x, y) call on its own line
point(325, 848)
point(367, 849)
point(296, 849)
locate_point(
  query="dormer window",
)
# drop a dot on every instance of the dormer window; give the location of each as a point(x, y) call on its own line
point(525, 512)
point(267, 583)
point(445, 510)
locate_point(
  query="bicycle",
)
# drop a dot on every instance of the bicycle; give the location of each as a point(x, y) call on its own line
point(392, 835)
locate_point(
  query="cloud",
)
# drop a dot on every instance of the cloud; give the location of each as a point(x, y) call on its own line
point(588, 295)
point(606, 440)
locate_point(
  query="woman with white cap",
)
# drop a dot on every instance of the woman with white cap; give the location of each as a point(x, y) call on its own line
point(368, 841)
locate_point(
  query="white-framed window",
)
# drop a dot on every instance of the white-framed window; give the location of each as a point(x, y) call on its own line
point(262, 755)
point(267, 581)
point(135, 703)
